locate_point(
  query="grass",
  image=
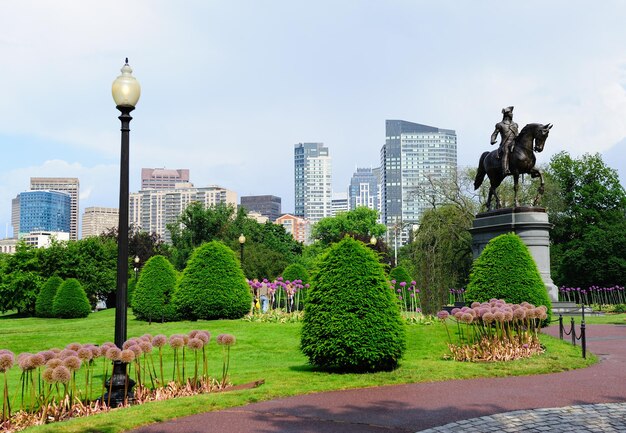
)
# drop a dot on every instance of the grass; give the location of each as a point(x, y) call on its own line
point(268, 351)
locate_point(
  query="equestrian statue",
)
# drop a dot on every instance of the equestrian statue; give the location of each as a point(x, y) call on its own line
point(515, 156)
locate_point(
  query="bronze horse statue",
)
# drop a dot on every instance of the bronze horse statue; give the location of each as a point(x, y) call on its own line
point(521, 160)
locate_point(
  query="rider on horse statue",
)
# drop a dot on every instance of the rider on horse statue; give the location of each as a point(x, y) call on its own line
point(508, 131)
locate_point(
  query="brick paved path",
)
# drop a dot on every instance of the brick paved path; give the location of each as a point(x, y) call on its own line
point(416, 407)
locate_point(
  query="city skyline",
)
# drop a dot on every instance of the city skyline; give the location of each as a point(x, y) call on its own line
point(229, 87)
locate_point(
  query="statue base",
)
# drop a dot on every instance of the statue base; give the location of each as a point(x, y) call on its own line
point(529, 223)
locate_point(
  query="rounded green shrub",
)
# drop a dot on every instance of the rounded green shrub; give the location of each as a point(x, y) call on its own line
point(351, 320)
point(71, 302)
point(296, 271)
point(153, 292)
point(45, 298)
point(400, 274)
point(506, 270)
point(212, 286)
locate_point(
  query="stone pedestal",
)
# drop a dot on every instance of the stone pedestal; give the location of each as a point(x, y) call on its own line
point(529, 223)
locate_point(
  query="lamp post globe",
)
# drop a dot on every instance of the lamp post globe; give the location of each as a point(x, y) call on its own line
point(242, 240)
point(126, 91)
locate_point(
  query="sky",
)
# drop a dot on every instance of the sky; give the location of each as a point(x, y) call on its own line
point(228, 87)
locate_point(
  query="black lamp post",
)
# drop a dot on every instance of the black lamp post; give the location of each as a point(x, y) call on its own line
point(126, 92)
point(242, 240)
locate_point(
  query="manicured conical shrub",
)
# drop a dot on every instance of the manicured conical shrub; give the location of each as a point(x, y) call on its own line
point(351, 319)
point(400, 274)
point(212, 286)
point(506, 270)
point(71, 302)
point(45, 298)
point(153, 292)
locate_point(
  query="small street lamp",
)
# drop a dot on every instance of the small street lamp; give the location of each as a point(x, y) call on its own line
point(242, 240)
point(126, 92)
point(137, 259)
point(373, 241)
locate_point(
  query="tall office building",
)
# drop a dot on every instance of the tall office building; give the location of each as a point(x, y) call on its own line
point(15, 215)
point(162, 178)
point(364, 189)
point(151, 210)
point(98, 220)
point(266, 205)
point(312, 181)
point(69, 185)
point(339, 203)
point(44, 211)
point(411, 154)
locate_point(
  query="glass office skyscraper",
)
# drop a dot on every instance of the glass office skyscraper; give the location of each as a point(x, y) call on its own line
point(45, 211)
point(312, 181)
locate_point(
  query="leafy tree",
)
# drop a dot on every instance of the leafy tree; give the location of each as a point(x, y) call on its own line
point(140, 244)
point(589, 216)
point(262, 262)
point(506, 270)
point(21, 282)
point(296, 271)
point(351, 319)
point(441, 254)
point(45, 299)
point(152, 296)
point(70, 301)
point(212, 285)
point(359, 223)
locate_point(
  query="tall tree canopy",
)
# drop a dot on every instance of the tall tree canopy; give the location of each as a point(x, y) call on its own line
point(589, 217)
point(359, 223)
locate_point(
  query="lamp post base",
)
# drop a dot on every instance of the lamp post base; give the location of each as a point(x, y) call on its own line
point(119, 387)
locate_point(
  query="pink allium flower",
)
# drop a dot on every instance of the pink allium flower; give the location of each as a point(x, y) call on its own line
point(74, 346)
point(24, 361)
point(402, 283)
point(519, 313)
point(54, 363)
point(195, 344)
point(454, 311)
point(146, 346)
point(475, 304)
point(7, 359)
point(488, 317)
point(114, 353)
point(136, 350)
point(226, 339)
point(85, 354)
point(146, 337)
point(443, 315)
point(185, 338)
point(129, 342)
point(61, 374)
point(205, 336)
point(467, 318)
point(393, 281)
point(508, 315)
point(95, 351)
point(482, 310)
point(176, 342)
point(105, 348)
point(413, 283)
point(499, 316)
point(72, 363)
point(458, 315)
point(159, 340)
point(47, 375)
point(193, 333)
point(47, 355)
point(37, 360)
point(67, 352)
point(127, 356)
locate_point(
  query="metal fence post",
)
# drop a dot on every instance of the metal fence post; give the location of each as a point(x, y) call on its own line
point(561, 326)
point(583, 339)
point(573, 331)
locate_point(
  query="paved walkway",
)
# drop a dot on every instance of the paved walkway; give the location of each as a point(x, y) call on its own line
point(591, 399)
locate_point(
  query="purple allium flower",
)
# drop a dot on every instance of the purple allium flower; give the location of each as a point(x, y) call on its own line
point(47, 355)
point(72, 363)
point(193, 333)
point(176, 342)
point(525, 346)
point(67, 352)
point(113, 353)
point(146, 346)
point(159, 340)
point(307, 285)
point(146, 337)
point(413, 282)
point(195, 344)
point(85, 354)
point(37, 360)
point(458, 315)
point(403, 284)
point(136, 350)
point(475, 304)
point(54, 363)
point(393, 281)
point(467, 318)
point(205, 336)
point(443, 315)
point(24, 361)
point(127, 355)
point(226, 339)
point(488, 317)
point(7, 359)
point(129, 342)
point(74, 346)
point(61, 374)
point(47, 375)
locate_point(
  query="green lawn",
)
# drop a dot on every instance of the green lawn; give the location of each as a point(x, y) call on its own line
point(266, 351)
